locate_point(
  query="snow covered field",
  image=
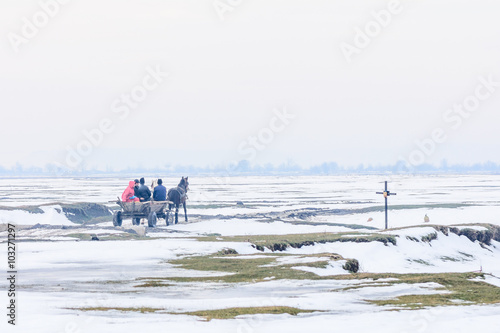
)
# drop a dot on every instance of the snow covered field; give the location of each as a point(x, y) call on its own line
point(446, 199)
point(67, 283)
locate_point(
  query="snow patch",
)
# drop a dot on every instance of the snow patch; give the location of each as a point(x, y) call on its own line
point(333, 268)
point(52, 215)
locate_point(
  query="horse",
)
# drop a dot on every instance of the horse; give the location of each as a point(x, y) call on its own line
point(178, 195)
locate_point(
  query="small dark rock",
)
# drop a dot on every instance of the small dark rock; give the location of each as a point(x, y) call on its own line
point(471, 234)
point(352, 265)
point(429, 238)
point(258, 247)
point(278, 247)
point(484, 236)
point(227, 251)
point(443, 229)
point(496, 233)
point(299, 245)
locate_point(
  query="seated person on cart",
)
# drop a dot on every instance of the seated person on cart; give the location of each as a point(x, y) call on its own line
point(128, 195)
point(143, 192)
point(136, 187)
point(160, 192)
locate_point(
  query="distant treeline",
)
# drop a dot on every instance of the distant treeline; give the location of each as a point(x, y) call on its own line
point(245, 168)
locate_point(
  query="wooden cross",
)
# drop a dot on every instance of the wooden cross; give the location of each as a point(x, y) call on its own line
point(386, 194)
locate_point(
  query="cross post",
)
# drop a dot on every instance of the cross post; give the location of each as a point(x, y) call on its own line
point(386, 194)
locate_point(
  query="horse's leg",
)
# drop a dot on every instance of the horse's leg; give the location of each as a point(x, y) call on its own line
point(176, 213)
point(185, 212)
point(168, 213)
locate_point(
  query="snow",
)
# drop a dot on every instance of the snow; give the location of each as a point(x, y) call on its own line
point(58, 273)
point(333, 268)
point(50, 216)
point(279, 194)
point(450, 253)
point(234, 227)
point(289, 260)
point(434, 320)
point(299, 260)
point(489, 278)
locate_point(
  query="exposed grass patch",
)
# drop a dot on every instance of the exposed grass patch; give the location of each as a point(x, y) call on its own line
point(100, 308)
point(282, 242)
point(460, 290)
point(246, 269)
point(365, 285)
point(208, 315)
point(231, 313)
point(317, 264)
point(459, 284)
point(331, 224)
point(466, 255)
point(227, 251)
point(112, 282)
point(105, 237)
point(430, 237)
point(153, 284)
point(123, 236)
point(446, 258)
point(420, 261)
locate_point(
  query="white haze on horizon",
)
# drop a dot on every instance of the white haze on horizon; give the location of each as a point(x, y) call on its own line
point(227, 79)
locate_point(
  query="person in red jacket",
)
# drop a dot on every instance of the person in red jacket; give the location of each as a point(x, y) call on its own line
point(128, 195)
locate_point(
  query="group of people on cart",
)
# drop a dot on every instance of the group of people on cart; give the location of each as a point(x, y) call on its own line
point(137, 191)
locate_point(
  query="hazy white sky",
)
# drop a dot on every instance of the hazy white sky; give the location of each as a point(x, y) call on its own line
point(227, 80)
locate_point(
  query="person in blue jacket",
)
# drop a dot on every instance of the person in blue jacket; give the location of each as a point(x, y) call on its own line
point(160, 192)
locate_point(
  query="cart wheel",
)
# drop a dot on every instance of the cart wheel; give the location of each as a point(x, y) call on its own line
point(152, 218)
point(136, 221)
point(169, 218)
point(117, 219)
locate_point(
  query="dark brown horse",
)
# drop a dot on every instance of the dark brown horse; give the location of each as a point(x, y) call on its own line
point(178, 195)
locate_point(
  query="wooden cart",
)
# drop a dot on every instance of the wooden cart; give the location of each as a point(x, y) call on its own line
point(151, 210)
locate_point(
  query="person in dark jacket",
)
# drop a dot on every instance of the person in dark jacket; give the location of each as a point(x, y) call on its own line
point(136, 187)
point(160, 192)
point(143, 192)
